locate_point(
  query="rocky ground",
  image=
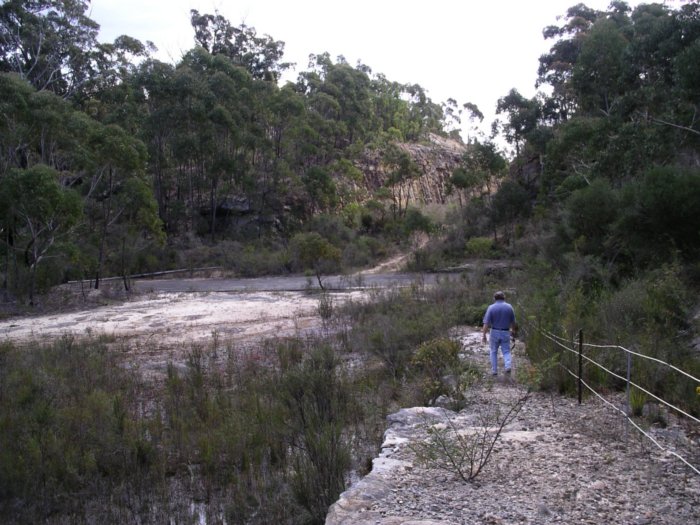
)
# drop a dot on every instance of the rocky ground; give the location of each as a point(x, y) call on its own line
point(556, 462)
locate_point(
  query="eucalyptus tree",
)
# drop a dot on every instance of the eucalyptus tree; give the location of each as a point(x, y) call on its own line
point(215, 134)
point(312, 251)
point(624, 102)
point(47, 42)
point(473, 114)
point(522, 117)
point(53, 44)
point(664, 52)
point(16, 122)
point(599, 75)
point(425, 115)
point(631, 87)
point(114, 193)
point(287, 117)
point(229, 113)
point(339, 104)
point(261, 56)
point(191, 134)
point(480, 169)
point(556, 66)
point(402, 170)
point(37, 213)
point(390, 108)
point(321, 190)
point(42, 154)
point(154, 89)
point(35, 126)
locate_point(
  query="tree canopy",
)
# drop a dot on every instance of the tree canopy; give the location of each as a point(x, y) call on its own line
point(211, 146)
point(619, 129)
point(215, 147)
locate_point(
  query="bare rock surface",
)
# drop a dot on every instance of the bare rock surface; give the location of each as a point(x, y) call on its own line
point(436, 160)
point(556, 462)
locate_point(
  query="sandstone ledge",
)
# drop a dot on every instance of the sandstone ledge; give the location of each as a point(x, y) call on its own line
point(558, 462)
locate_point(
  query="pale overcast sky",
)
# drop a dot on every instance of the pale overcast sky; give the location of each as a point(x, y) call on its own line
point(469, 50)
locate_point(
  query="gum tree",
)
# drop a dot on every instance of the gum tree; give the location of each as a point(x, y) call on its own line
point(38, 212)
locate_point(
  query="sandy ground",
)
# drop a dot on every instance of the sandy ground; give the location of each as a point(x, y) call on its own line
point(185, 311)
point(163, 327)
point(167, 318)
point(175, 318)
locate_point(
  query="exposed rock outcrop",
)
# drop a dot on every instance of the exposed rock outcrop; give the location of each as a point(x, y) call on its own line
point(436, 161)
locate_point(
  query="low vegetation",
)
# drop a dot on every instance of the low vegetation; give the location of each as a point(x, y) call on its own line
point(266, 435)
point(465, 453)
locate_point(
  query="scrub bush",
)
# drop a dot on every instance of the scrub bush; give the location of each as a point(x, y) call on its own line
point(435, 360)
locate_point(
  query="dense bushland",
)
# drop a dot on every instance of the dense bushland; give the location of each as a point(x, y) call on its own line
point(600, 203)
point(83, 437)
point(146, 165)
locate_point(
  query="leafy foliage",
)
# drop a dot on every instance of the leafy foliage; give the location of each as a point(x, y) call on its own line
point(437, 359)
point(208, 147)
point(38, 211)
point(311, 251)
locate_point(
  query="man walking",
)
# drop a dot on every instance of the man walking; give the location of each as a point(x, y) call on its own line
point(500, 318)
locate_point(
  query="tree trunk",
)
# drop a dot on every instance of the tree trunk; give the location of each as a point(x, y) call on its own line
point(32, 281)
point(106, 213)
point(405, 208)
point(6, 273)
point(125, 277)
point(212, 203)
point(318, 278)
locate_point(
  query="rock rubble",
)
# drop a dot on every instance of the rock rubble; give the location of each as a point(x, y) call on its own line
point(556, 463)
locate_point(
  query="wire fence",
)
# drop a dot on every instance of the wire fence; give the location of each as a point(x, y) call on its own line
point(570, 345)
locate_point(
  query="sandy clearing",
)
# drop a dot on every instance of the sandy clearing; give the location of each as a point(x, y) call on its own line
point(181, 317)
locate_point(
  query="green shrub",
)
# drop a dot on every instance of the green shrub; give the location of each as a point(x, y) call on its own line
point(472, 315)
point(69, 424)
point(435, 360)
point(415, 221)
point(479, 247)
point(316, 402)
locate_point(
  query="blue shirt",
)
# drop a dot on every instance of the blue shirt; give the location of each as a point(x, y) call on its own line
point(499, 315)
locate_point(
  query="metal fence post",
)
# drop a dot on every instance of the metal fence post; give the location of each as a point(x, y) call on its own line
point(629, 394)
point(629, 374)
point(580, 366)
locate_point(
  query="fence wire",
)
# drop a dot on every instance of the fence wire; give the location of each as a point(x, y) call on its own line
point(567, 344)
point(645, 434)
point(626, 350)
point(669, 365)
point(669, 405)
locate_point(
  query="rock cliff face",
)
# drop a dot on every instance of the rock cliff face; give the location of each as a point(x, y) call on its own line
point(436, 161)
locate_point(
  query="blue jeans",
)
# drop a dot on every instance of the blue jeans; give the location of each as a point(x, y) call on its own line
point(500, 338)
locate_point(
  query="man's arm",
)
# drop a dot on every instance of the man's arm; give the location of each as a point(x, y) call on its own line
point(487, 322)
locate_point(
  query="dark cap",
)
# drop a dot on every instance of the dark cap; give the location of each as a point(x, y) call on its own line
point(499, 296)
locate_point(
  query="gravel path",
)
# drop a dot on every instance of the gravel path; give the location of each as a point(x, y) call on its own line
point(557, 462)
